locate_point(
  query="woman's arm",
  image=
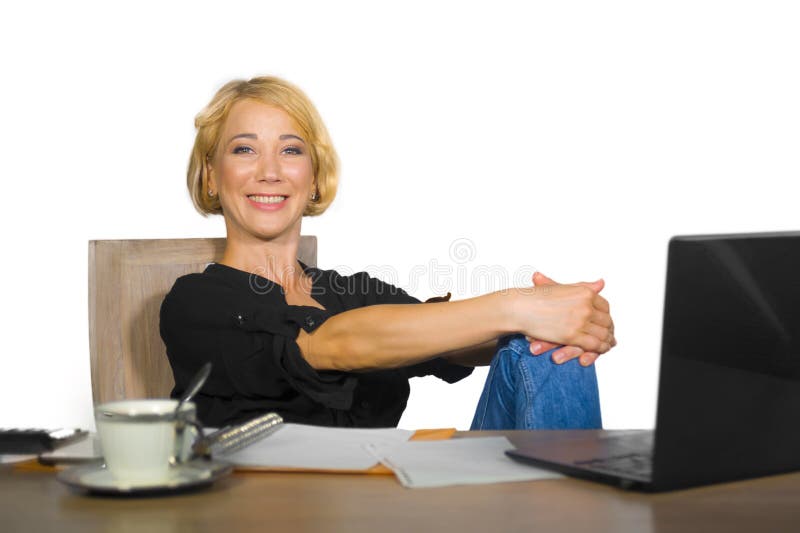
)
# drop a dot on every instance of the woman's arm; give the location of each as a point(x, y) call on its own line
point(391, 336)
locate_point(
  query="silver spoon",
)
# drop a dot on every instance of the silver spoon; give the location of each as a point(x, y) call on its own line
point(182, 453)
point(194, 387)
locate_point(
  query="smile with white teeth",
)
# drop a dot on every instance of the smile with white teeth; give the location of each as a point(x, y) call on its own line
point(268, 199)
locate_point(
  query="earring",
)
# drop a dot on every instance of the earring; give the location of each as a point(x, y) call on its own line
point(211, 193)
point(314, 196)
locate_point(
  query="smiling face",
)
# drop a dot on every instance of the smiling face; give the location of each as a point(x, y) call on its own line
point(262, 172)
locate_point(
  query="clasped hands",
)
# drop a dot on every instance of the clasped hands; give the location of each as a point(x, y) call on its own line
point(598, 325)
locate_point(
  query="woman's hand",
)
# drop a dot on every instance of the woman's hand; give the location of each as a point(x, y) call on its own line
point(593, 326)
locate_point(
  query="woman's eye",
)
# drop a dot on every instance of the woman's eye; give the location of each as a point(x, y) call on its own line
point(292, 150)
point(242, 150)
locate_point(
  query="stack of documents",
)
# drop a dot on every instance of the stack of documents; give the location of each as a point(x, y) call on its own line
point(297, 446)
point(469, 461)
point(415, 463)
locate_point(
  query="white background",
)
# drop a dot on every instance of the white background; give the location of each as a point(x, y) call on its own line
point(570, 137)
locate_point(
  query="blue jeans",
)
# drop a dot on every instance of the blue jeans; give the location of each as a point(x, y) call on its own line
point(523, 391)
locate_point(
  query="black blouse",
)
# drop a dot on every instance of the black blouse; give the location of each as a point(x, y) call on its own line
point(243, 325)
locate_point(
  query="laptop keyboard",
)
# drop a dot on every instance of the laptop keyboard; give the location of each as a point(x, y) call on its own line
point(638, 465)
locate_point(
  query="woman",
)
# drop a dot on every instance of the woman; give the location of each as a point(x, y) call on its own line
point(326, 349)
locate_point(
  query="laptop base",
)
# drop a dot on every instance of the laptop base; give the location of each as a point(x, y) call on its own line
point(622, 458)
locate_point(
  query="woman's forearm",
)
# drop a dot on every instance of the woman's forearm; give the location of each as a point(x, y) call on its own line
point(396, 335)
point(390, 336)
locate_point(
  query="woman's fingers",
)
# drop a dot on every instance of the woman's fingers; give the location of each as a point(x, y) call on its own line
point(598, 332)
point(601, 304)
point(601, 319)
point(590, 343)
point(597, 324)
point(566, 353)
point(563, 354)
point(613, 337)
point(539, 346)
point(588, 358)
point(604, 320)
point(541, 279)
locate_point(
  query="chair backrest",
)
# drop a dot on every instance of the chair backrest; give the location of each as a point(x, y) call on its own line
point(127, 283)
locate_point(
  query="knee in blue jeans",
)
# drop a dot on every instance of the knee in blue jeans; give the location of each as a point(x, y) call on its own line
point(524, 391)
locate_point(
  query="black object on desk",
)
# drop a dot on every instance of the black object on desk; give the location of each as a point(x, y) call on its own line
point(729, 384)
point(34, 441)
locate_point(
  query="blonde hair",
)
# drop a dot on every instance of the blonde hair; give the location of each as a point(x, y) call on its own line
point(272, 91)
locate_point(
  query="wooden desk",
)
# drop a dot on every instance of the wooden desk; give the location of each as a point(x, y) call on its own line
point(35, 501)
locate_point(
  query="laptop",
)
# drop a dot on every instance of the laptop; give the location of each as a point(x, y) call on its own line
point(729, 385)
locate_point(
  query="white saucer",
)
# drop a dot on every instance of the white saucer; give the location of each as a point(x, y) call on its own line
point(96, 478)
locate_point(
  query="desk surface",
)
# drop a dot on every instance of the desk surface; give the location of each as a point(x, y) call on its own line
point(36, 501)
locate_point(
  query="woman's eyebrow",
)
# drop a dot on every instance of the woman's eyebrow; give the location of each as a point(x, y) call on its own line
point(243, 136)
point(283, 137)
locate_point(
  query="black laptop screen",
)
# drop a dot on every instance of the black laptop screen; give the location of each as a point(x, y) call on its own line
point(735, 302)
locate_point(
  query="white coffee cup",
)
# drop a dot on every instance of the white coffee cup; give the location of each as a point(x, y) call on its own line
point(140, 439)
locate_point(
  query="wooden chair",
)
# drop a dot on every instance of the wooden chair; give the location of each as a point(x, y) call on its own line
point(127, 282)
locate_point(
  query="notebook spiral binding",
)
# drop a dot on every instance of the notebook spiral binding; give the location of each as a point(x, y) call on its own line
point(231, 438)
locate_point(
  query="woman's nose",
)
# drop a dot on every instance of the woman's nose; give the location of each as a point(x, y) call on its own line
point(269, 169)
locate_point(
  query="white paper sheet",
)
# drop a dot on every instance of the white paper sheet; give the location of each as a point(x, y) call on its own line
point(15, 458)
point(466, 461)
point(314, 447)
